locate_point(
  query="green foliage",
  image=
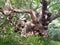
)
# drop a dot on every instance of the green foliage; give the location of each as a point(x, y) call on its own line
point(53, 5)
point(2, 3)
point(54, 30)
point(16, 39)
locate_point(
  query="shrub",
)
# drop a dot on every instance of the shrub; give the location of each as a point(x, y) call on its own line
point(54, 30)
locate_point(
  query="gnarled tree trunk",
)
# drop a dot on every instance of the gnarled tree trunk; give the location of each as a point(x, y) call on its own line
point(38, 24)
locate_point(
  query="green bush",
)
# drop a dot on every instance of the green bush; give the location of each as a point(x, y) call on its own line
point(54, 30)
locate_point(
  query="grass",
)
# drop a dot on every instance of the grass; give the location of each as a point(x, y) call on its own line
point(16, 39)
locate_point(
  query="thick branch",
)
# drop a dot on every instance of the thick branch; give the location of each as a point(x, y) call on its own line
point(54, 16)
point(31, 12)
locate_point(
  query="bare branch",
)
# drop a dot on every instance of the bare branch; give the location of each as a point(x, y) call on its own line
point(31, 12)
point(54, 16)
point(8, 5)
